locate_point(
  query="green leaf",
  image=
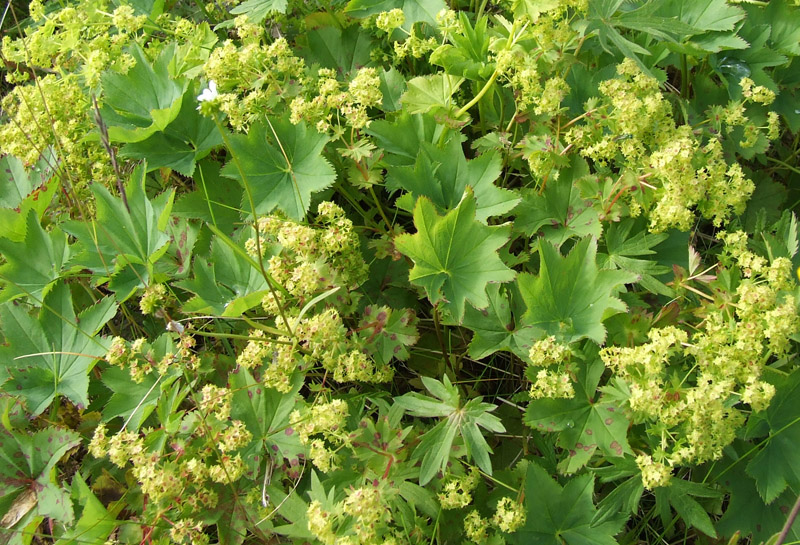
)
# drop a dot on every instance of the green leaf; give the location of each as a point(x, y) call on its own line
point(559, 212)
point(96, 523)
point(266, 413)
point(534, 8)
point(257, 10)
point(345, 50)
point(183, 142)
point(436, 445)
point(34, 264)
point(402, 139)
point(118, 242)
point(17, 200)
point(415, 11)
point(283, 165)
point(144, 100)
point(570, 296)
point(215, 201)
point(387, 333)
point(558, 516)
point(777, 465)
point(624, 250)
point(585, 423)
point(393, 85)
point(16, 183)
point(783, 20)
point(56, 352)
point(26, 466)
point(498, 327)
point(703, 15)
point(467, 55)
point(454, 256)
point(746, 513)
point(690, 511)
point(430, 93)
point(131, 401)
point(225, 285)
point(443, 174)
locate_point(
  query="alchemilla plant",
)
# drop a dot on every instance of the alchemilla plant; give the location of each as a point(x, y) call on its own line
point(400, 272)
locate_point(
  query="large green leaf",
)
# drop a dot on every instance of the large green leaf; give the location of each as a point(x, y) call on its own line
point(144, 100)
point(443, 174)
point(52, 356)
point(266, 414)
point(431, 93)
point(342, 49)
point(584, 422)
point(747, 513)
point(570, 296)
point(454, 256)
point(35, 263)
point(186, 140)
point(561, 516)
point(16, 182)
point(283, 166)
point(215, 200)
point(22, 191)
point(777, 465)
point(121, 243)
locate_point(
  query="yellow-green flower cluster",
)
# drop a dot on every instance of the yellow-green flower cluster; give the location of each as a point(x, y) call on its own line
point(313, 259)
point(689, 390)
point(387, 21)
point(363, 516)
point(362, 92)
point(253, 77)
point(509, 515)
point(153, 298)
point(547, 382)
point(634, 129)
point(457, 490)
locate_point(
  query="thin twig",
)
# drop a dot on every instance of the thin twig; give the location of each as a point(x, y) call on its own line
point(789, 522)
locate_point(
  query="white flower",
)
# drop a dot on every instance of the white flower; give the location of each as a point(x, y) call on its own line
point(208, 94)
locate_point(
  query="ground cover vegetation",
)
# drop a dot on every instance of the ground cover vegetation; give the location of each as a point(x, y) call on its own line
point(399, 272)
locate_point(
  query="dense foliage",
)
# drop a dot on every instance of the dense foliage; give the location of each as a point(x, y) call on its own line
point(399, 272)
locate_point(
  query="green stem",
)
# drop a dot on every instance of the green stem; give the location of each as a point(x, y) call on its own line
point(252, 203)
point(480, 94)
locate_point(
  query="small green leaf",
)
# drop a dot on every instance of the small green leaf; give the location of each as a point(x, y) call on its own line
point(431, 93)
point(226, 284)
point(498, 326)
